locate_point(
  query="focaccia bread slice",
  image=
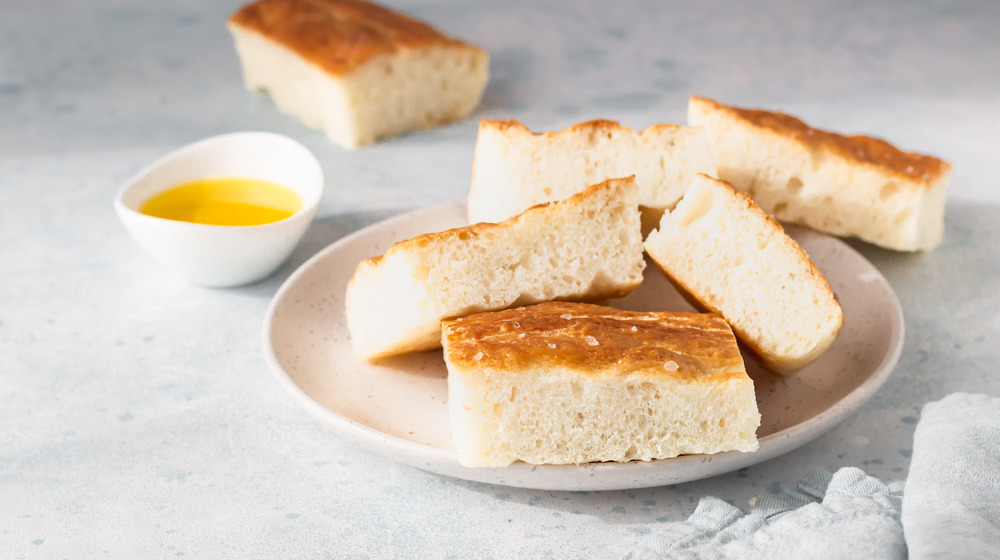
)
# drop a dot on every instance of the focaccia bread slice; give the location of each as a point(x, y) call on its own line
point(729, 257)
point(844, 185)
point(562, 383)
point(356, 70)
point(514, 168)
point(587, 247)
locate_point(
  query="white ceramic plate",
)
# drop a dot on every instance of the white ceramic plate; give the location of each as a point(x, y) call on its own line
point(399, 408)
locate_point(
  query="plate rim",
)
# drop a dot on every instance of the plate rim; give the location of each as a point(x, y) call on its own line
point(400, 450)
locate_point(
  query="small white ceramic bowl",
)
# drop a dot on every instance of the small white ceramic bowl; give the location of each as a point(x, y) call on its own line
point(224, 256)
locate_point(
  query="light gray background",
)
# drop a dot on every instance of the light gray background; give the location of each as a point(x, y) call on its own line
point(137, 416)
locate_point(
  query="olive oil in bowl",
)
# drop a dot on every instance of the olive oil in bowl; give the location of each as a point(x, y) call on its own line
point(204, 214)
point(225, 201)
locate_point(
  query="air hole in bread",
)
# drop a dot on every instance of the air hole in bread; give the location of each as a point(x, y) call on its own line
point(794, 186)
point(902, 217)
point(600, 279)
point(547, 191)
point(577, 389)
point(780, 208)
point(696, 208)
point(817, 158)
point(888, 190)
point(421, 272)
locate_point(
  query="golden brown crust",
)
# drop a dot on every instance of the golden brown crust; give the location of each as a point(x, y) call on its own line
point(867, 150)
point(591, 128)
point(337, 35)
point(475, 230)
point(591, 339)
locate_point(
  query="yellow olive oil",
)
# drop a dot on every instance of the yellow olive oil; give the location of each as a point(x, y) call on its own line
point(225, 201)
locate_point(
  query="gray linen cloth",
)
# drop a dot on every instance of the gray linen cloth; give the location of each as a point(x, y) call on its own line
point(951, 507)
point(845, 515)
point(952, 503)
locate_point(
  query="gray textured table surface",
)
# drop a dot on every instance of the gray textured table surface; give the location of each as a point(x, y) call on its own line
point(137, 416)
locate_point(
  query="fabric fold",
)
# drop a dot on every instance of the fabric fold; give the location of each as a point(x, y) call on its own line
point(951, 508)
point(844, 515)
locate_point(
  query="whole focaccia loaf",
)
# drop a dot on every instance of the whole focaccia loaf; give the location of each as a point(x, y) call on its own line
point(845, 185)
point(515, 168)
point(566, 383)
point(356, 70)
